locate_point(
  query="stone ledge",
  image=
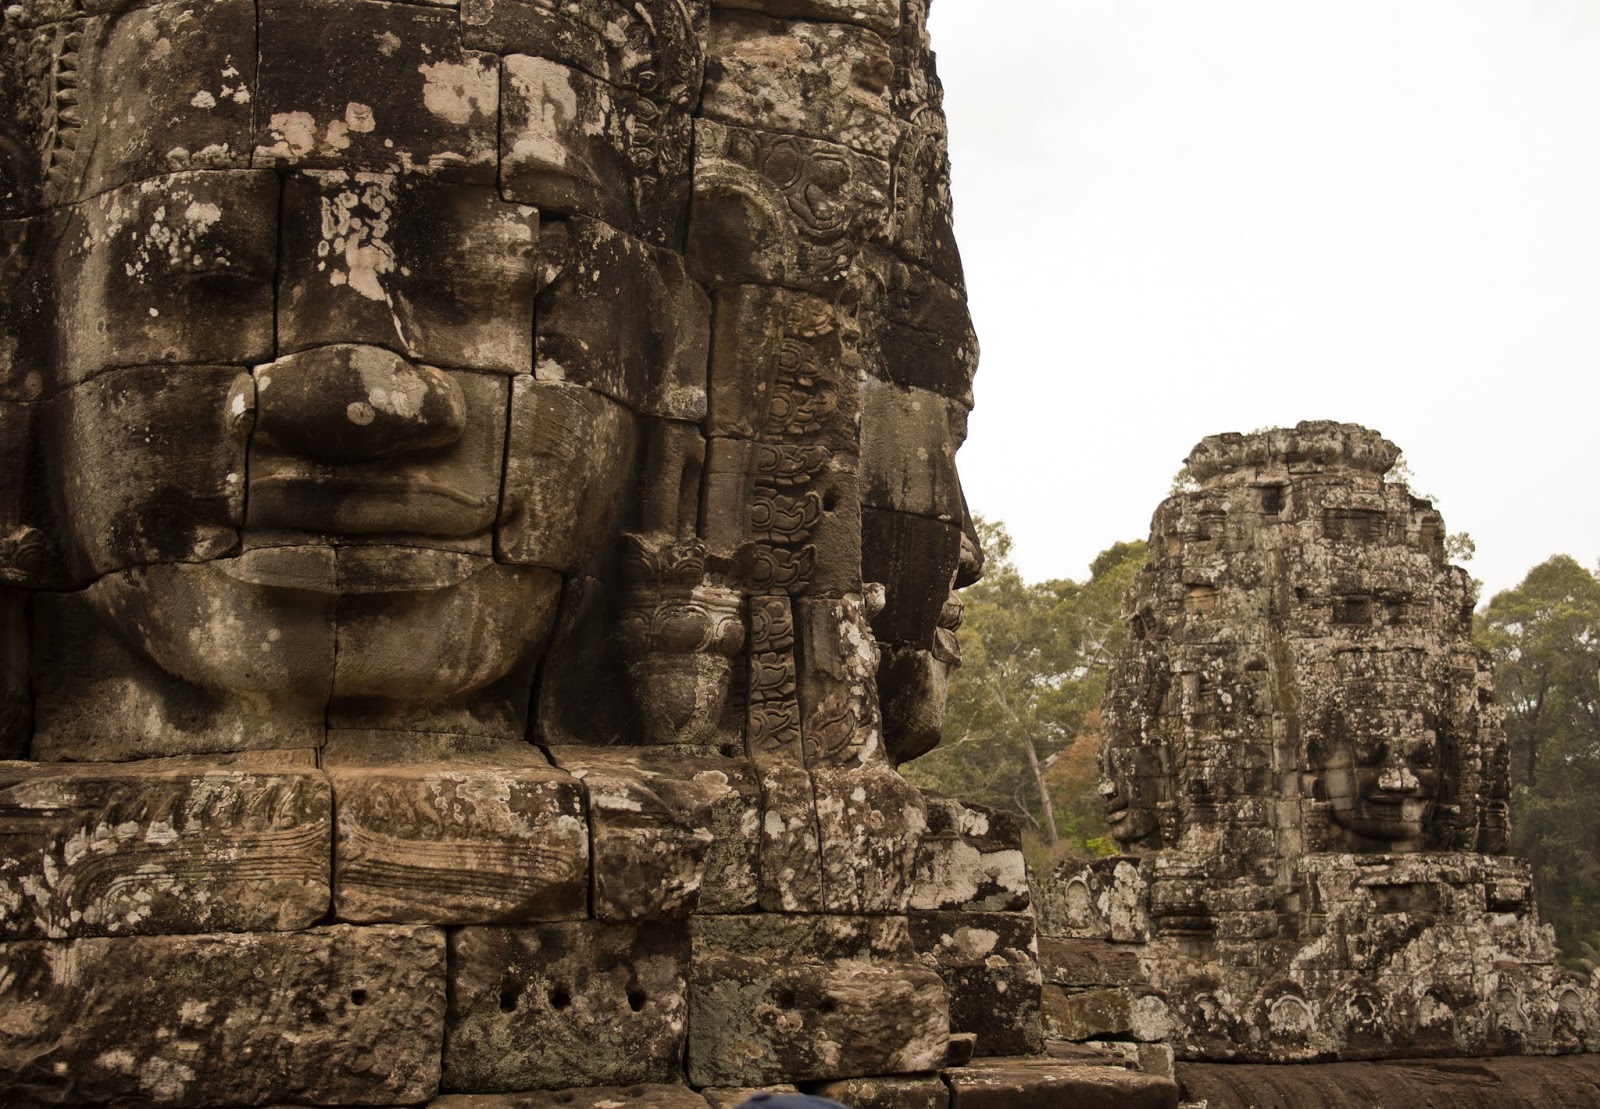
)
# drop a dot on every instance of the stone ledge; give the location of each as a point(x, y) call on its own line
point(1497, 1083)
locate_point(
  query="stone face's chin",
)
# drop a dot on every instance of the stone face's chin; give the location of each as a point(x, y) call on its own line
point(441, 644)
point(1359, 804)
point(1399, 823)
point(1127, 824)
point(298, 625)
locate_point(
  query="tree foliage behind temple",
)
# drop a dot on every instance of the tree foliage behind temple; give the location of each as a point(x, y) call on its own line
point(1545, 639)
point(1023, 717)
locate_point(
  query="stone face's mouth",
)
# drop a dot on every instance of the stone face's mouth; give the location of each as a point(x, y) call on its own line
point(387, 568)
point(399, 488)
point(349, 504)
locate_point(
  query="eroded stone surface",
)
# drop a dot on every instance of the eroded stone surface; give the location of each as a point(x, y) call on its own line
point(823, 80)
point(558, 1005)
point(1024, 1085)
point(152, 848)
point(753, 1022)
point(459, 845)
point(927, 1092)
point(654, 47)
point(578, 146)
point(781, 209)
point(405, 93)
point(990, 965)
point(969, 858)
point(651, 833)
point(333, 1015)
point(157, 90)
point(643, 1096)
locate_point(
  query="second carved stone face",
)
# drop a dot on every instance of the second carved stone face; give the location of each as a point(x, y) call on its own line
point(1377, 768)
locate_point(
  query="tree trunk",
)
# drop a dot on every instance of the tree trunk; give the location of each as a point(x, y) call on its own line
point(1045, 803)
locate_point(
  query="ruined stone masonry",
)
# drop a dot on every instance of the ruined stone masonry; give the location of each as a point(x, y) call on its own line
point(1305, 764)
point(478, 530)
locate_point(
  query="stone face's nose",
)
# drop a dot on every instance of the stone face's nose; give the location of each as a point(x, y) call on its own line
point(348, 403)
point(1397, 779)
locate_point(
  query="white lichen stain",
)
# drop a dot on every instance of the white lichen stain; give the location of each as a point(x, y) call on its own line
point(202, 215)
point(359, 118)
point(553, 102)
point(973, 943)
point(336, 137)
point(458, 91)
point(117, 1059)
point(355, 227)
point(165, 1079)
point(160, 832)
point(388, 42)
point(294, 134)
point(203, 99)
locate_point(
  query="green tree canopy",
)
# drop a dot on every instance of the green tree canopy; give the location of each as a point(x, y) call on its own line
point(1023, 713)
point(1545, 639)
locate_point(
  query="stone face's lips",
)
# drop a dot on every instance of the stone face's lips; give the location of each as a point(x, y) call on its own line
point(352, 504)
point(390, 568)
point(397, 488)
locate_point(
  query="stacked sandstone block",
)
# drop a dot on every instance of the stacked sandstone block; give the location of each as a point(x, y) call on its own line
point(269, 932)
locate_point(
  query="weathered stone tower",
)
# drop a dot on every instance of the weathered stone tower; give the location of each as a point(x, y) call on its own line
point(1302, 744)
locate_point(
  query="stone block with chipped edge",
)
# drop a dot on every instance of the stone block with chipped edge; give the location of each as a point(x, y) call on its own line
point(331, 1016)
point(162, 846)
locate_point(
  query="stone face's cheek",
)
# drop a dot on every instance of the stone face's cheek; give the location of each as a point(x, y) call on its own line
point(145, 272)
point(570, 455)
point(369, 85)
point(151, 465)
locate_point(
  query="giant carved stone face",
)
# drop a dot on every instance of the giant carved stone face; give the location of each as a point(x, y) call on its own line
point(375, 326)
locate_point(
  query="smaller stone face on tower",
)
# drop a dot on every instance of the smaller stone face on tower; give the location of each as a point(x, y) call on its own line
point(1301, 675)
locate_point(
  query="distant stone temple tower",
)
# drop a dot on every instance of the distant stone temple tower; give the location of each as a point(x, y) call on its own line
point(1302, 749)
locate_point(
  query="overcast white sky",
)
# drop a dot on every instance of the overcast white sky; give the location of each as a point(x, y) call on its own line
point(1182, 217)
